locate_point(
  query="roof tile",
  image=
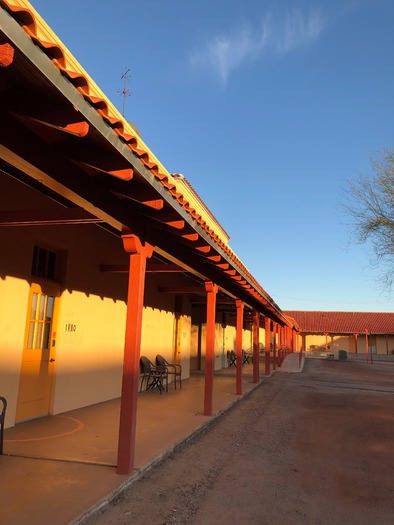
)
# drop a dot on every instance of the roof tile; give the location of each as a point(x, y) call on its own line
point(343, 322)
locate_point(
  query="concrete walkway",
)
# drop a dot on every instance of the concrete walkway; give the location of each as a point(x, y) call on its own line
point(60, 468)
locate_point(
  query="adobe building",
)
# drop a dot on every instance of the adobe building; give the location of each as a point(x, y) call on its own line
point(359, 333)
point(105, 255)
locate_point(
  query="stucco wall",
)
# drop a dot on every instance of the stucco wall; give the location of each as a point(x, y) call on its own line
point(13, 299)
point(378, 343)
point(89, 358)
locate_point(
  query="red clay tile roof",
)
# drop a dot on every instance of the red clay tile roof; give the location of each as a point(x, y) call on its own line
point(343, 322)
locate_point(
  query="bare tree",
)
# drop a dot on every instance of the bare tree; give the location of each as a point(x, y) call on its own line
point(371, 204)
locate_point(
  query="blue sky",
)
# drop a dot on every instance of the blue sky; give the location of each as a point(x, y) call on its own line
point(268, 108)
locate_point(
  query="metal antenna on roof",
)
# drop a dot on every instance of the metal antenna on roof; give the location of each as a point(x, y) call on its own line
point(125, 92)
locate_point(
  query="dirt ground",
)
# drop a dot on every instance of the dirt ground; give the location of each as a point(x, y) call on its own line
point(315, 447)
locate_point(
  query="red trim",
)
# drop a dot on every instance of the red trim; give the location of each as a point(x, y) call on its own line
point(238, 345)
point(130, 380)
point(211, 290)
point(267, 354)
point(256, 355)
point(6, 55)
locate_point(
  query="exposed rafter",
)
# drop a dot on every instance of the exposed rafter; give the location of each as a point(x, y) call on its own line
point(150, 268)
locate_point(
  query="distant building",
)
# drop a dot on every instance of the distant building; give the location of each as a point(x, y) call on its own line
point(355, 332)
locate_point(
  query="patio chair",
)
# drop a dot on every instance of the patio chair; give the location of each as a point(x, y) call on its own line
point(2, 420)
point(231, 358)
point(173, 369)
point(152, 375)
point(247, 357)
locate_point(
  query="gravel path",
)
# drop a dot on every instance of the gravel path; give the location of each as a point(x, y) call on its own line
point(309, 448)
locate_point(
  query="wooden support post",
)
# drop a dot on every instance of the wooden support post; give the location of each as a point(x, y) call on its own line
point(256, 355)
point(367, 346)
point(211, 290)
point(131, 366)
point(238, 345)
point(291, 340)
point(280, 345)
point(267, 356)
point(274, 331)
point(288, 339)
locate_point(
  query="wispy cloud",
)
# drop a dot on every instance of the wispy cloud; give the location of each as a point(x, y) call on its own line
point(276, 35)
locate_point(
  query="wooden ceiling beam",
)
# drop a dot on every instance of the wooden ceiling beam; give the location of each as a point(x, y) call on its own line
point(214, 258)
point(78, 128)
point(6, 55)
point(183, 289)
point(150, 268)
point(125, 174)
point(193, 237)
point(155, 204)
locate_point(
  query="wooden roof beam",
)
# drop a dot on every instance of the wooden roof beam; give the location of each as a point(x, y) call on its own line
point(125, 174)
point(6, 55)
point(150, 268)
point(78, 128)
point(183, 290)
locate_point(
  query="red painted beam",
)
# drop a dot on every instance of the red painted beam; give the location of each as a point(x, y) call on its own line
point(274, 331)
point(267, 358)
point(211, 290)
point(238, 345)
point(131, 365)
point(6, 55)
point(256, 356)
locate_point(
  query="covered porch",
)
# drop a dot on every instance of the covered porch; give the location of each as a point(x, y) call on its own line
point(59, 467)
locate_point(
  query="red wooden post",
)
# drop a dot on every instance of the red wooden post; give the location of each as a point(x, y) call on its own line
point(367, 346)
point(274, 331)
point(280, 344)
point(238, 345)
point(355, 342)
point(256, 356)
point(267, 354)
point(131, 365)
point(211, 290)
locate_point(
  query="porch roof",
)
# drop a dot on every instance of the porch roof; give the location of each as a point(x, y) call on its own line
point(56, 121)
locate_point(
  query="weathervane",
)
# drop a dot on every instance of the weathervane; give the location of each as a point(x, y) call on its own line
point(125, 92)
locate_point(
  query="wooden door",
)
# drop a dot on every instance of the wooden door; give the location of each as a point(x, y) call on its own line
point(38, 357)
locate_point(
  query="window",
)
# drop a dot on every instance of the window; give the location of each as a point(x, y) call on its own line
point(40, 321)
point(44, 263)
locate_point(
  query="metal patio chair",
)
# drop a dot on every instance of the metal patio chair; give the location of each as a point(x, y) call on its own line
point(173, 368)
point(231, 358)
point(247, 357)
point(154, 376)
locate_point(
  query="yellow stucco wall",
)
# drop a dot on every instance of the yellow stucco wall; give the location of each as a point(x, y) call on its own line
point(378, 343)
point(13, 297)
point(89, 357)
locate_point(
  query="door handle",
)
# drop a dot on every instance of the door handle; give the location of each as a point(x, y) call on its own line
point(52, 360)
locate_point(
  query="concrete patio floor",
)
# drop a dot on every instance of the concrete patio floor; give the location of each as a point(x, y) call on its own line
point(58, 468)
